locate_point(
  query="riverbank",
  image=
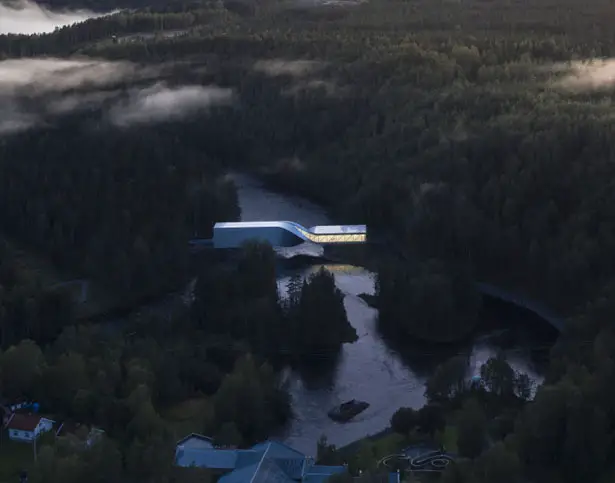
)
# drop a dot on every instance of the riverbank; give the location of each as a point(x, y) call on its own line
point(368, 258)
point(496, 293)
point(369, 369)
point(387, 442)
point(101, 305)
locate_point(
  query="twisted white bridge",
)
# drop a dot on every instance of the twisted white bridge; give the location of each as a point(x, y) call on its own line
point(285, 234)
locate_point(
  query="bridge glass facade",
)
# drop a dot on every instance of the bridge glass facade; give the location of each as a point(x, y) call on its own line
point(334, 239)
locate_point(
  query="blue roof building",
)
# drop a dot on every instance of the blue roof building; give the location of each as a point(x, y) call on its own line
point(268, 462)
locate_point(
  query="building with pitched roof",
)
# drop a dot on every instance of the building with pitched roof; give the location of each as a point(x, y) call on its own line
point(268, 462)
point(27, 427)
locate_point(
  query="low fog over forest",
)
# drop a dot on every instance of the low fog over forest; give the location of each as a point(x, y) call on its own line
point(36, 91)
point(26, 17)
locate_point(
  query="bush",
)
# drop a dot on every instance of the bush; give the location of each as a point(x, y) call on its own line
point(430, 418)
point(404, 420)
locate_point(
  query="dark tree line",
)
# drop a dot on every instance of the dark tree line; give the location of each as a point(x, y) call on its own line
point(110, 206)
point(28, 310)
point(310, 322)
point(428, 301)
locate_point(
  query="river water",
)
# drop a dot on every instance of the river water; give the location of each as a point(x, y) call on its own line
point(369, 369)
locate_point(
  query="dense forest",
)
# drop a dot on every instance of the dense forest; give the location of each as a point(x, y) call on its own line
point(472, 108)
point(134, 380)
point(476, 135)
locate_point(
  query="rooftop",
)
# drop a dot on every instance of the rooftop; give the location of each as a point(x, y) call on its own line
point(318, 230)
point(24, 422)
point(268, 462)
point(195, 440)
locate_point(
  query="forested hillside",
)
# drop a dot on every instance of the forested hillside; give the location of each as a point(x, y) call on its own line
point(476, 132)
point(465, 138)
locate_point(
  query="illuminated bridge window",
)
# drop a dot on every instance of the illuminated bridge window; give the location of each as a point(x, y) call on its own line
point(331, 239)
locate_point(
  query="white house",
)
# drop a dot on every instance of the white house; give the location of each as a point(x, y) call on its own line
point(27, 427)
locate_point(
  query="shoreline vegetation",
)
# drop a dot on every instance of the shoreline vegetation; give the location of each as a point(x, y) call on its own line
point(100, 305)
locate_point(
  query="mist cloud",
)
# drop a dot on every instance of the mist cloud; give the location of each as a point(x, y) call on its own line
point(26, 17)
point(161, 103)
point(36, 91)
point(39, 76)
point(79, 102)
point(585, 76)
point(295, 68)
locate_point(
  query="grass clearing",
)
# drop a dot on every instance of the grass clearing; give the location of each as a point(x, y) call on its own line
point(380, 445)
point(449, 438)
point(388, 444)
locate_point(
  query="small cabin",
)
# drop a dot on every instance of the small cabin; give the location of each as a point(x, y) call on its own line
point(27, 427)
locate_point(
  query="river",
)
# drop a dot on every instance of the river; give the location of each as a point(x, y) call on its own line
point(369, 369)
